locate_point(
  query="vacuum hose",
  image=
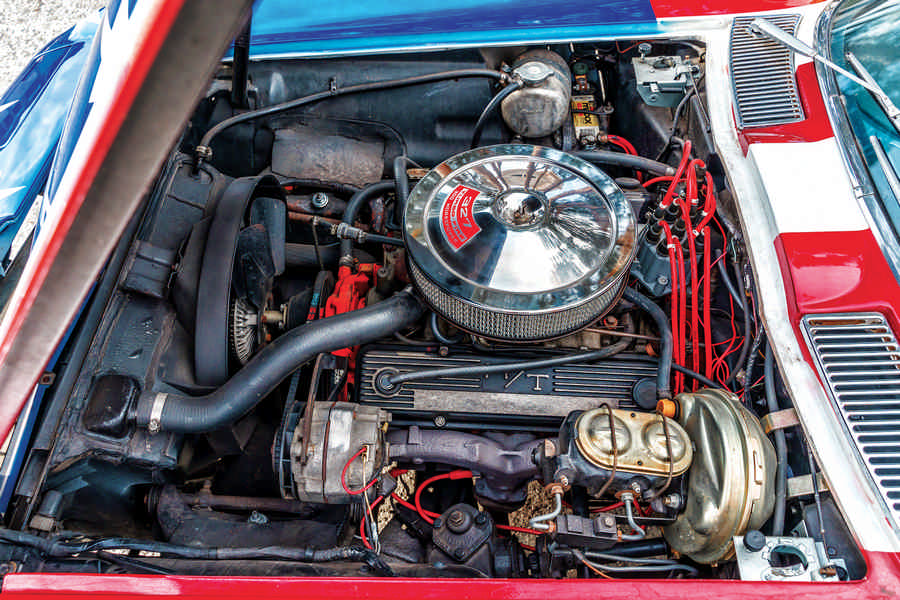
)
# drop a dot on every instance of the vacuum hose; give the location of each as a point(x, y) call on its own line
point(272, 365)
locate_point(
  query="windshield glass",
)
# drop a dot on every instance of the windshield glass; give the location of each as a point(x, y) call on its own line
point(871, 31)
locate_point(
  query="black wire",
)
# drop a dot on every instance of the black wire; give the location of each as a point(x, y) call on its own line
point(490, 108)
point(751, 362)
point(596, 113)
point(130, 563)
point(59, 549)
point(745, 307)
point(638, 565)
point(393, 380)
point(383, 239)
point(342, 91)
point(677, 117)
point(778, 514)
point(315, 234)
point(726, 279)
point(439, 336)
point(332, 395)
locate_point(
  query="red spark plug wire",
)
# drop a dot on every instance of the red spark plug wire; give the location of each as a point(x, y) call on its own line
point(707, 329)
point(685, 158)
point(671, 245)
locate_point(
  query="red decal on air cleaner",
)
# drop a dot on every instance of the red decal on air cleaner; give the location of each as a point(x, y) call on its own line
point(457, 219)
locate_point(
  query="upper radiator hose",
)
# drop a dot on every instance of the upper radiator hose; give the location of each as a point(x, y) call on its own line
point(272, 365)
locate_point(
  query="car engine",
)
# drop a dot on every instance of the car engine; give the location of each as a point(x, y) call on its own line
point(453, 314)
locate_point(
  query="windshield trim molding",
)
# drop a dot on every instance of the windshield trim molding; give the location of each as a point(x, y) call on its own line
point(863, 187)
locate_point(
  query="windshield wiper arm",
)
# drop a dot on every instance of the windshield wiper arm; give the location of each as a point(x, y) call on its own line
point(889, 108)
point(769, 29)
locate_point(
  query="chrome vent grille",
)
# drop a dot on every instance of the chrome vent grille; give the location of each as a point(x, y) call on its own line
point(859, 359)
point(762, 73)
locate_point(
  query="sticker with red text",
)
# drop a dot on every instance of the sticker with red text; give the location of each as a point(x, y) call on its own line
point(457, 219)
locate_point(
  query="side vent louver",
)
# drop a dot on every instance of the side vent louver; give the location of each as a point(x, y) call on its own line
point(859, 360)
point(762, 73)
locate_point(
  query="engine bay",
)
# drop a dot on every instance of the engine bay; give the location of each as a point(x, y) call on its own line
point(468, 313)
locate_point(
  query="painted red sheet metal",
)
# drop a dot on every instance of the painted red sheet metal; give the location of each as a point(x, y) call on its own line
point(686, 8)
point(882, 582)
point(813, 128)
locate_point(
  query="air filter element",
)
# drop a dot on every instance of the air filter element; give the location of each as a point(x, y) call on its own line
point(518, 242)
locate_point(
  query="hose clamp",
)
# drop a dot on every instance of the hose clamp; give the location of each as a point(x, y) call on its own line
point(155, 424)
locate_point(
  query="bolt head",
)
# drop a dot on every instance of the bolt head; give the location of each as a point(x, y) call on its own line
point(319, 200)
point(480, 518)
point(440, 420)
point(459, 554)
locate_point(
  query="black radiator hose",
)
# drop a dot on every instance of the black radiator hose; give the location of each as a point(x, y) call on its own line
point(274, 363)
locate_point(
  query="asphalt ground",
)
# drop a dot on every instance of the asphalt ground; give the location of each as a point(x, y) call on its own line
point(27, 25)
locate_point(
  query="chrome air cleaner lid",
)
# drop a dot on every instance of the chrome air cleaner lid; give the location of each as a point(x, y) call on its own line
point(519, 242)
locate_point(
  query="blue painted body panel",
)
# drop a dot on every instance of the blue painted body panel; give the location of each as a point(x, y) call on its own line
point(31, 121)
point(281, 27)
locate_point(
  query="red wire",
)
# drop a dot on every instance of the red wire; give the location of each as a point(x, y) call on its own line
point(685, 157)
point(659, 179)
point(634, 503)
point(692, 249)
point(520, 529)
point(344, 475)
point(682, 310)
point(618, 140)
point(459, 474)
point(412, 506)
point(720, 363)
point(673, 266)
point(707, 330)
point(612, 507)
point(625, 145)
point(709, 206)
point(620, 51)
